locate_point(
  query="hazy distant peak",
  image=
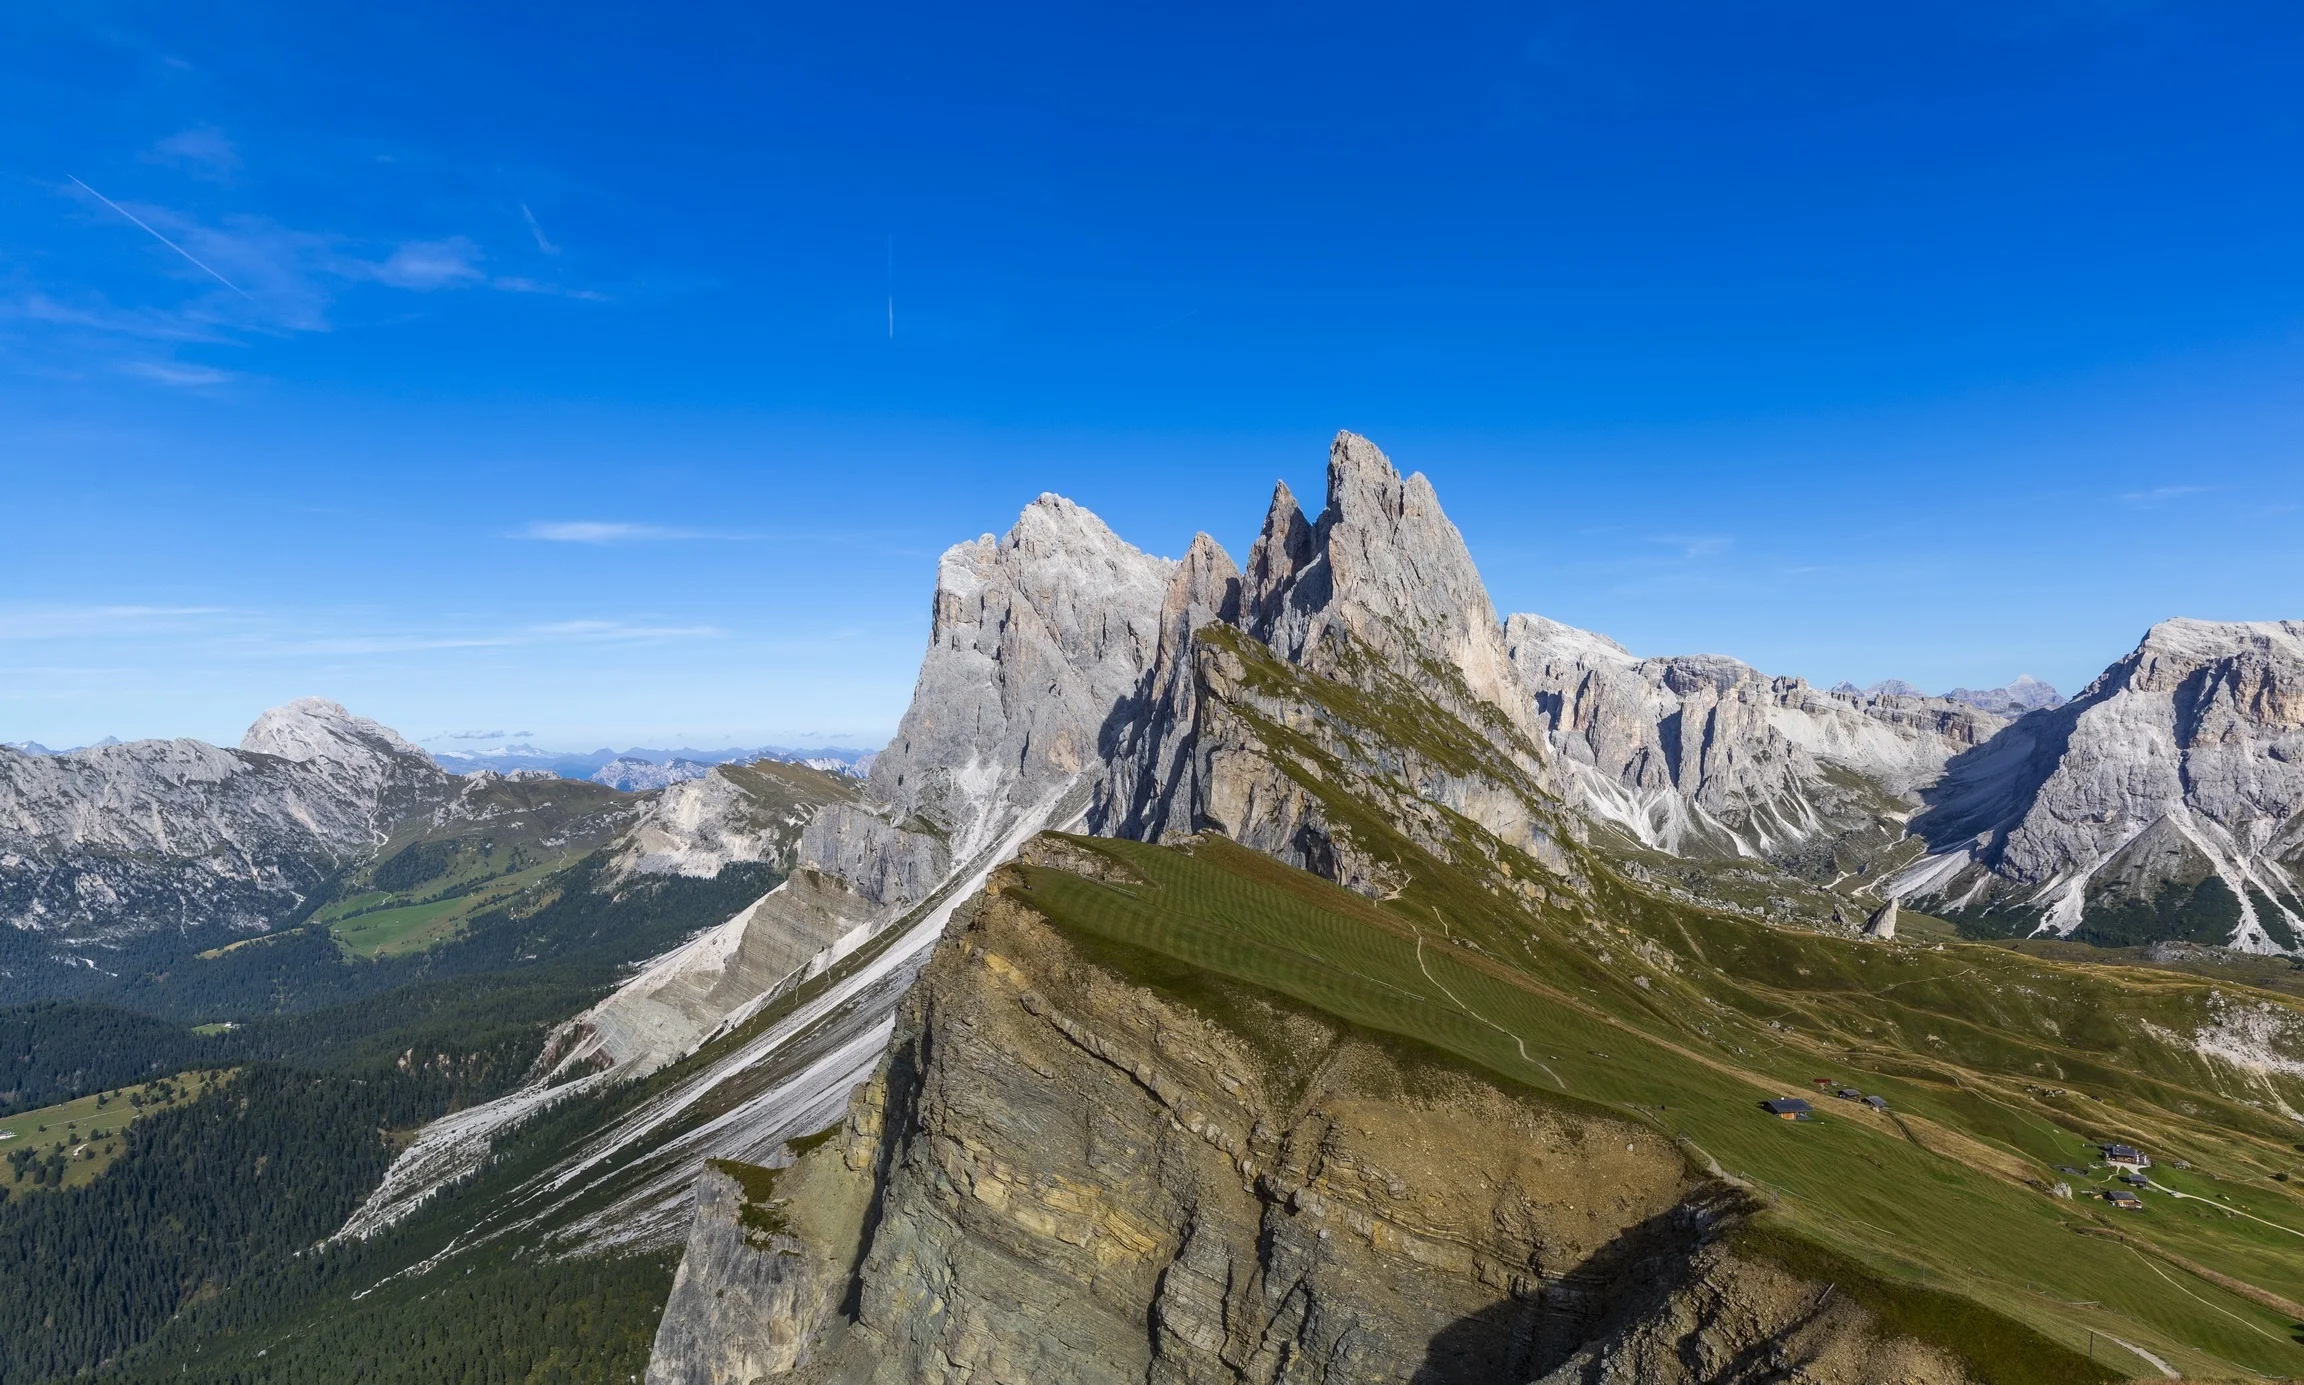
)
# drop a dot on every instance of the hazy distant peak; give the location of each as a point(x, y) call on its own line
point(1892, 687)
point(2026, 694)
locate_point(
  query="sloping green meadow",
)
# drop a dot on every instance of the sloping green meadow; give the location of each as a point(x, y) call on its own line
point(1932, 1196)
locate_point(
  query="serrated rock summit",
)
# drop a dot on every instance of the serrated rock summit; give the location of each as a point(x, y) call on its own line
point(1384, 565)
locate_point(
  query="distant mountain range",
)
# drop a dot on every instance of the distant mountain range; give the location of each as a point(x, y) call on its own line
point(2026, 694)
point(642, 767)
point(629, 770)
point(123, 858)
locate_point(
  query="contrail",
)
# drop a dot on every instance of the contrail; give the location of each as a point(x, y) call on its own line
point(538, 231)
point(162, 239)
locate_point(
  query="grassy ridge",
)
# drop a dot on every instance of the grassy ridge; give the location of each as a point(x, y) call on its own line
point(1850, 1182)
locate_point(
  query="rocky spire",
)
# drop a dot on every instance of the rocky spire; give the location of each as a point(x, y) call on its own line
point(1152, 781)
point(1281, 551)
point(1384, 566)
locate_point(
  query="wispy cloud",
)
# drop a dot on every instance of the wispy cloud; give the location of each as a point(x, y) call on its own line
point(579, 632)
point(181, 374)
point(150, 324)
point(605, 532)
point(198, 263)
point(203, 150)
point(75, 622)
point(2157, 496)
point(426, 265)
point(514, 283)
point(1696, 545)
point(248, 275)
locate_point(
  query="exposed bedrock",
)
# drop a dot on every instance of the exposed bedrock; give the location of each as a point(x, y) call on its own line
point(1067, 1175)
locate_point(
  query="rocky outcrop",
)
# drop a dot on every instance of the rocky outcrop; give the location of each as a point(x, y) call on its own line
point(1724, 1319)
point(103, 847)
point(732, 813)
point(761, 1269)
point(1071, 1177)
point(1261, 716)
point(1701, 754)
point(2162, 801)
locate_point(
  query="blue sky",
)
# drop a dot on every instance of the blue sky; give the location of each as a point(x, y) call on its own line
point(530, 368)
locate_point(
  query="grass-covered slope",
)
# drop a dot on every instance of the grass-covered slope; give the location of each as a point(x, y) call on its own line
point(1938, 1194)
point(1535, 952)
point(72, 1143)
point(496, 839)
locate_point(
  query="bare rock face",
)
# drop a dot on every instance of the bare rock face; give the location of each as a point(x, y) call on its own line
point(1039, 639)
point(2162, 801)
point(753, 812)
point(1727, 1320)
point(1152, 787)
point(756, 1276)
point(1377, 602)
point(1037, 657)
point(1074, 1179)
point(1700, 753)
point(1383, 565)
point(104, 847)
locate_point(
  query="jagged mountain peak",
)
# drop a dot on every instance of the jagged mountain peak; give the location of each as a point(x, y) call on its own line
point(1282, 549)
point(1384, 565)
point(314, 728)
point(1206, 579)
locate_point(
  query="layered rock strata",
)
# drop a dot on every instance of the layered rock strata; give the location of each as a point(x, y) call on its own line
point(1063, 1175)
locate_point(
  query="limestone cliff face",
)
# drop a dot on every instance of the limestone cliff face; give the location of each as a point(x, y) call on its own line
point(1256, 718)
point(1152, 785)
point(1384, 566)
point(1700, 753)
point(2182, 764)
point(761, 1271)
point(1040, 645)
point(1073, 1177)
